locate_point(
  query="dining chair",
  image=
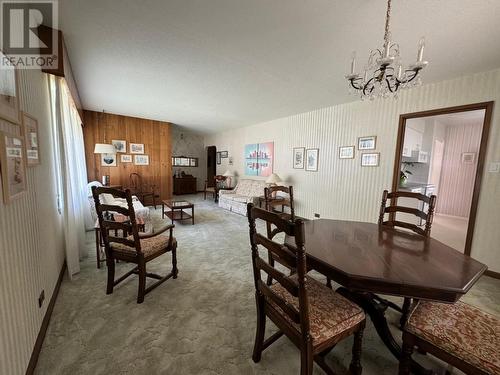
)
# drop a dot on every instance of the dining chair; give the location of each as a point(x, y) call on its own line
point(137, 248)
point(312, 316)
point(270, 202)
point(141, 190)
point(458, 334)
point(420, 200)
point(212, 185)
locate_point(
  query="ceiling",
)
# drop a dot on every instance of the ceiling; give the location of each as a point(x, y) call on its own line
point(218, 64)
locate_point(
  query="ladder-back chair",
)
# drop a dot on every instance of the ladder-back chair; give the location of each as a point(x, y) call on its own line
point(312, 316)
point(137, 248)
point(393, 209)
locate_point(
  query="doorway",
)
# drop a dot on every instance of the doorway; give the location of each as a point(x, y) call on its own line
point(211, 163)
point(442, 152)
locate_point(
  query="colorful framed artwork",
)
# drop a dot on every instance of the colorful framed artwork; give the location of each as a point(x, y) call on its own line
point(126, 158)
point(298, 157)
point(108, 160)
point(218, 158)
point(259, 159)
point(120, 146)
point(12, 166)
point(29, 131)
point(9, 92)
point(370, 159)
point(312, 155)
point(223, 154)
point(141, 159)
point(346, 152)
point(137, 148)
point(367, 143)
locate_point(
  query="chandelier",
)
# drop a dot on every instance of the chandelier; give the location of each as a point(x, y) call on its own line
point(384, 74)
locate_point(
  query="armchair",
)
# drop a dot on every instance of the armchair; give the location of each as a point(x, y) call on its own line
point(141, 190)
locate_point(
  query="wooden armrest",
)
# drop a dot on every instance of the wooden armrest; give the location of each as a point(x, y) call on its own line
point(159, 231)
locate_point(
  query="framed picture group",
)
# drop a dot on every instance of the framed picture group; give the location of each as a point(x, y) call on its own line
point(20, 149)
point(306, 158)
point(367, 143)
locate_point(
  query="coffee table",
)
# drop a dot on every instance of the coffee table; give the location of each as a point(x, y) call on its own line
point(176, 210)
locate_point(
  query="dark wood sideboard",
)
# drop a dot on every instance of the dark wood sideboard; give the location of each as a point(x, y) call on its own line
point(184, 185)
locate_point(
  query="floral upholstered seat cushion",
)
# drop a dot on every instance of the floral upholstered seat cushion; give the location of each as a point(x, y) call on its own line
point(461, 330)
point(149, 246)
point(330, 314)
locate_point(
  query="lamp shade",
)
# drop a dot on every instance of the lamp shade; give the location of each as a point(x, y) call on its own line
point(228, 173)
point(103, 148)
point(273, 179)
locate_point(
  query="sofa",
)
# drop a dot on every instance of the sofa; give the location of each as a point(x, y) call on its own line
point(142, 213)
point(246, 191)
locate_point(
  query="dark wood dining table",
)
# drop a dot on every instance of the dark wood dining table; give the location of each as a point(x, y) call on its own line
point(368, 259)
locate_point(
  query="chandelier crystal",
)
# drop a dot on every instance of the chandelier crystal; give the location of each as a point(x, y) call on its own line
point(384, 74)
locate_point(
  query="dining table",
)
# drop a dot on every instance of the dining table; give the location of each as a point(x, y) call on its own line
point(368, 260)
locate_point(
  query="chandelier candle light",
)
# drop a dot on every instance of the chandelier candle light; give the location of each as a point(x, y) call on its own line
point(386, 70)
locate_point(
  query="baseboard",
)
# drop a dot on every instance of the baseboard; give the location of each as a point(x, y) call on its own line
point(493, 274)
point(45, 324)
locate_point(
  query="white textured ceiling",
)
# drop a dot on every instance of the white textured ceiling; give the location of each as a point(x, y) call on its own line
point(209, 65)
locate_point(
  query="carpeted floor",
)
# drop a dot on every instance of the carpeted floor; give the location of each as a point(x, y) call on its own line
point(201, 323)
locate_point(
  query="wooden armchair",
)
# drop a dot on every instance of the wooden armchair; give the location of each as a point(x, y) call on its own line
point(212, 187)
point(137, 248)
point(393, 221)
point(313, 317)
point(141, 190)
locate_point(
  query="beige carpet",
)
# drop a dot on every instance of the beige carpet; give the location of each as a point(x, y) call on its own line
point(201, 323)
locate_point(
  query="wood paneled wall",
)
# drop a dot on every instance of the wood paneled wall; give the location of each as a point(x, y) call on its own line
point(155, 135)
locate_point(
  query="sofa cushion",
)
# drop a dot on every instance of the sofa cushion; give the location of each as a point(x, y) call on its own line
point(251, 188)
point(461, 330)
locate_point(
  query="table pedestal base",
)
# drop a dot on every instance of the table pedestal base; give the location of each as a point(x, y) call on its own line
point(376, 311)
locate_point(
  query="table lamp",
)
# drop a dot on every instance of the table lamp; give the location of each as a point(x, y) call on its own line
point(273, 179)
point(228, 174)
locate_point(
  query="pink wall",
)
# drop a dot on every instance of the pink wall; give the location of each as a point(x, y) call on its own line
point(457, 178)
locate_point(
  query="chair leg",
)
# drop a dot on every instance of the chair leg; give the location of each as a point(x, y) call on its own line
point(261, 328)
point(406, 311)
point(355, 366)
point(205, 195)
point(142, 281)
point(175, 271)
point(405, 360)
point(110, 263)
point(306, 361)
point(329, 282)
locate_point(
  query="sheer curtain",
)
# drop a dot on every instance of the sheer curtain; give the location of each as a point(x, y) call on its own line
point(70, 155)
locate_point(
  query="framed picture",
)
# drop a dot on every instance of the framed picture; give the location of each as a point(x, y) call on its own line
point(312, 159)
point(9, 92)
point(298, 157)
point(137, 148)
point(126, 158)
point(141, 159)
point(108, 160)
point(346, 152)
point(12, 166)
point(468, 157)
point(218, 158)
point(29, 131)
point(120, 146)
point(259, 158)
point(223, 154)
point(367, 143)
point(370, 159)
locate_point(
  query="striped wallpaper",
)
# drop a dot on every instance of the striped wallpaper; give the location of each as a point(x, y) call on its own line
point(31, 246)
point(344, 189)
